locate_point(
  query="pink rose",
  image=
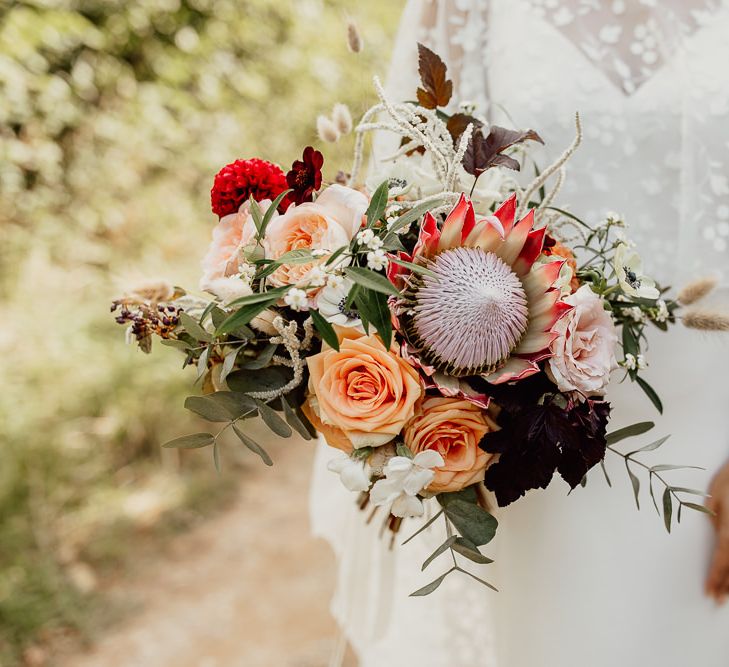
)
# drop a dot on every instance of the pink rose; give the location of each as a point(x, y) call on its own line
point(326, 224)
point(230, 237)
point(584, 349)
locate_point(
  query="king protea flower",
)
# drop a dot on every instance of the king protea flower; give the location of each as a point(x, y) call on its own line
point(483, 307)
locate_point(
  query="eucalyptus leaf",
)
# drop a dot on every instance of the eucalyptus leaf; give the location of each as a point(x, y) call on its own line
point(471, 521)
point(177, 344)
point(440, 550)
point(469, 550)
point(193, 441)
point(667, 509)
point(207, 408)
point(699, 508)
point(650, 393)
point(272, 378)
point(216, 456)
point(202, 363)
point(273, 421)
point(605, 472)
point(221, 406)
point(294, 421)
point(262, 360)
point(253, 445)
point(426, 525)
point(432, 586)
point(651, 447)
point(371, 280)
point(480, 581)
point(629, 432)
point(664, 467)
point(190, 325)
point(635, 482)
point(228, 363)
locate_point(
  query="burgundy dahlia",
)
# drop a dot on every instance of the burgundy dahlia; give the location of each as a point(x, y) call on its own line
point(239, 180)
point(305, 176)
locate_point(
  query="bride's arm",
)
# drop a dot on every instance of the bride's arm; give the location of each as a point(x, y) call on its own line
point(717, 583)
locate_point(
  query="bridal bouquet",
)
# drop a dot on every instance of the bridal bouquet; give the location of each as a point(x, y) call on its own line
point(442, 324)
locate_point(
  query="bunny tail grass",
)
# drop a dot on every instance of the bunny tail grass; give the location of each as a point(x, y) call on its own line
point(705, 319)
point(696, 290)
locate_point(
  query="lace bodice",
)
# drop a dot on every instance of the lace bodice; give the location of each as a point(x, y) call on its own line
point(648, 80)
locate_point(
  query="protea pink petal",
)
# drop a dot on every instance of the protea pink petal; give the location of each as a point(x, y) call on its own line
point(529, 253)
point(540, 279)
point(514, 369)
point(486, 235)
point(428, 237)
point(458, 224)
point(506, 212)
point(546, 310)
point(395, 272)
point(515, 240)
point(452, 387)
point(534, 341)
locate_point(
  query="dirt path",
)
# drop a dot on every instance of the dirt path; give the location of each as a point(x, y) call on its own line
point(232, 593)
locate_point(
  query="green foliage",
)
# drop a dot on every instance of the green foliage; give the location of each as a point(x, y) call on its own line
point(114, 117)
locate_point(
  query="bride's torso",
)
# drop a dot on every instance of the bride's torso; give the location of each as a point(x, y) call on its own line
point(649, 79)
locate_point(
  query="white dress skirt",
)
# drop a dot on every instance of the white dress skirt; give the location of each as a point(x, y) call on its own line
point(584, 580)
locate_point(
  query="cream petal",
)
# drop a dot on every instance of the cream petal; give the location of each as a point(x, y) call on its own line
point(535, 340)
point(346, 205)
point(514, 369)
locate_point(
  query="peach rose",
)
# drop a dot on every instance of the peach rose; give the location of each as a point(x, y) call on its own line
point(326, 224)
point(230, 237)
point(452, 427)
point(363, 394)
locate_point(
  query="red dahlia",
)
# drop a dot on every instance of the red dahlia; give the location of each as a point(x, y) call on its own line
point(239, 180)
point(305, 176)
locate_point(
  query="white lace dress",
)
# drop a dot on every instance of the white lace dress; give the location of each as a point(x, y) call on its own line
point(584, 580)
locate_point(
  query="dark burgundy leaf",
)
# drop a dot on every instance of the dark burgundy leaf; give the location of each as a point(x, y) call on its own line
point(458, 123)
point(485, 152)
point(436, 90)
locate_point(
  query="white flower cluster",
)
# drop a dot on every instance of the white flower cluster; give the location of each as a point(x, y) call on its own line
point(631, 362)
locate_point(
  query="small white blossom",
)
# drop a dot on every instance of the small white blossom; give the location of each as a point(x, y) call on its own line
point(246, 272)
point(662, 314)
point(641, 362)
point(355, 475)
point(377, 260)
point(365, 236)
point(376, 243)
point(319, 252)
point(296, 299)
point(335, 280)
point(317, 276)
point(404, 479)
point(630, 362)
point(636, 314)
point(613, 218)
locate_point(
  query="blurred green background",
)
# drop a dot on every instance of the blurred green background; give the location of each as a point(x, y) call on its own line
point(114, 117)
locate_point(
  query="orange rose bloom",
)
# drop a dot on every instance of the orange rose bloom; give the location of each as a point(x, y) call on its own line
point(363, 394)
point(562, 250)
point(452, 427)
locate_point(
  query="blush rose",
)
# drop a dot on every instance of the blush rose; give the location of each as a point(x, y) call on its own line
point(584, 349)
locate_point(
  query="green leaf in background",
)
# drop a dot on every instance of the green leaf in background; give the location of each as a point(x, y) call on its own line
point(471, 521)
point(629, 432)
point(194, 441)
point(265, 379)
point(417, 268)
point(194, 329)
point(371, 280)
point(253, 446)
point(246, 314)
point(651, 447)
point(273, 421)
point(268, 216)
point(221, 406)
point(630, 340)
point(228, 363)
point(177, 344)
point(257, 215)
point(698, 508)
point(335, 255)
point(262, 360)
point(378, 204)
point(216, 456)
point(426, 525)
point(294, 421)
point(326, 331)
point(257, 297)
point(651, 393)
point(207, 408)
point(401, 449)
point(373, 309)
point(411, 216)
